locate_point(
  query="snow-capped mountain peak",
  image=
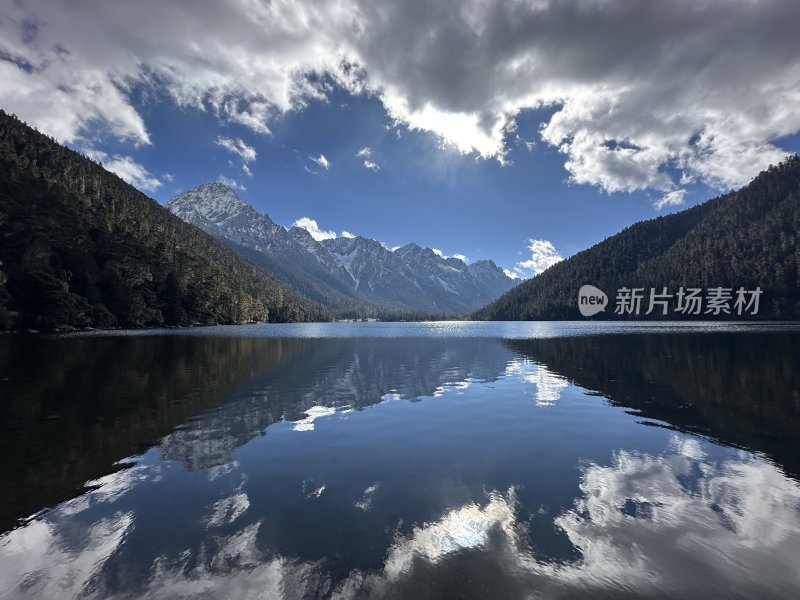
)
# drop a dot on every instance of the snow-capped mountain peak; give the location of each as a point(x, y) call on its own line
point(219, 210)
point(213, 201)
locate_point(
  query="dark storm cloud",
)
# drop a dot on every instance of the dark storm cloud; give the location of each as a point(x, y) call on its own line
point(699, 88)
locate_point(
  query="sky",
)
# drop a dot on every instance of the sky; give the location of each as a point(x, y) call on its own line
point(522, 131)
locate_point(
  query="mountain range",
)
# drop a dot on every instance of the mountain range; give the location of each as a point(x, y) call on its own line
point(349, 274)
point(744, 239)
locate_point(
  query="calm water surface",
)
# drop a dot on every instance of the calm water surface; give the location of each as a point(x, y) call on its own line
point(443, 460)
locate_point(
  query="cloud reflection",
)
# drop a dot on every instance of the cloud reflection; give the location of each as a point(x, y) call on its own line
point(312, 414)
point(42, 560)
point(672, 525)
point(365, 503)
point(227, 510)
point(675, 524)
point(549, 385)
point(678, 520)
point(467, 527)
point(232, 567)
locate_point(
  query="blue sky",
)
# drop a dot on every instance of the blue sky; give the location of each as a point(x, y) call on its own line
point(494, 125)
point(422, 192)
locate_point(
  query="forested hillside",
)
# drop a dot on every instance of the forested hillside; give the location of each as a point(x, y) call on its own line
point(80, 247)
point(746, 238)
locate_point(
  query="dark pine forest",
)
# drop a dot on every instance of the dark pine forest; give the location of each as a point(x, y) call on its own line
point(82, 248)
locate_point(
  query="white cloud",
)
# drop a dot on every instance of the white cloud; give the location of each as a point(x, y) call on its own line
point(62, 96)
point(231, 183)
point(528, 145)
point(366, 154)
point(510, 274)
point(368, 164)
point(126, 168)
point(347, 234)
point(310, 225)
point(238, 147)
point(168, 177)
point(321, 161)
point(543, 256)
point(441, 254)
point(690, 96)
point(672, 198)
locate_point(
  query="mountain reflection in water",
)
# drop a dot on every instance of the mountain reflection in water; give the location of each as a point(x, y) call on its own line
point(402, 467)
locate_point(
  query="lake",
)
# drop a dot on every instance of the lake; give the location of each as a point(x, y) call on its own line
point(390, 460)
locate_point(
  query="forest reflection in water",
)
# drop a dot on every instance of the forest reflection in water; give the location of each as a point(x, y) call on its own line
point(649, 465)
